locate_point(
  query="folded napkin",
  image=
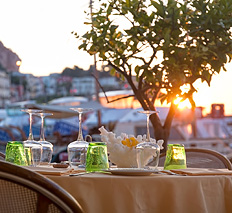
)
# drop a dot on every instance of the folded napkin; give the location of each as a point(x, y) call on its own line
point(202, 171)
point(49, 170)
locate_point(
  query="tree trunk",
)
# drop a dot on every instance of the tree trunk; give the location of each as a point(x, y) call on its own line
point(163, 131)
point(160, 132)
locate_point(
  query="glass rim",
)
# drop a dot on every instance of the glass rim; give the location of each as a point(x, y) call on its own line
point(10, 142)
point(176, 144)
point(97, 143)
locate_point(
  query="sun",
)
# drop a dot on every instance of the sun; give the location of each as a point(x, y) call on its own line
point(18, 63)
point(182, 104)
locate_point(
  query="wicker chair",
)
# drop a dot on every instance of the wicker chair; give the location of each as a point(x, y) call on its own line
point(202, 158)
point(2, 156)
point(23, 191)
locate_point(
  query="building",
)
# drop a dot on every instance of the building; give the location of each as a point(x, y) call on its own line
point(4, 88)
point(50, 85)
point(84, 86)
point(35, 87)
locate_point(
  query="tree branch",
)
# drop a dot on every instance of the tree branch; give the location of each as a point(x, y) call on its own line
point(108, 101)
point(170, 116)
point(124, 97)
point(100, 87)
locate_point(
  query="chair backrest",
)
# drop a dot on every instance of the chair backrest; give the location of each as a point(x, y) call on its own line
point(22, 136)
point(2, 156)
point(202, 158)
point(23, 191)
point(6, 135)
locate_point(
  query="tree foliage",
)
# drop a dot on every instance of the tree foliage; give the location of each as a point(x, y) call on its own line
point(79, 72)
point(166, 44)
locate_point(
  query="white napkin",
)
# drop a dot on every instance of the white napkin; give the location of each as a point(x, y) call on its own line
point(49, 170)
point(202, 171)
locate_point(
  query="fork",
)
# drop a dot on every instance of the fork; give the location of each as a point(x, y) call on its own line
point(84, 173)
point(171, 173)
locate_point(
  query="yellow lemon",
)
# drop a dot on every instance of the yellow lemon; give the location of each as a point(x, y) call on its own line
point(134, 142)
point(130, 142)
point(124, 142)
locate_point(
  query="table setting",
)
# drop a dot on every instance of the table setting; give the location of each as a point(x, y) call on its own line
point(124, 154)
point(120, 173)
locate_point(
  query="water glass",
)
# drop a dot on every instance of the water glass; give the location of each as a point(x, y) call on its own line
point(97, 157)
point(36, 154)
point(15, 153)
point(33, 152)
point(46, 153)
point(147, 151)
point(77, 154)
point(175, 157)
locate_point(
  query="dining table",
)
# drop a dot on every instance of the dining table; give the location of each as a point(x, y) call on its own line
point(184, 191)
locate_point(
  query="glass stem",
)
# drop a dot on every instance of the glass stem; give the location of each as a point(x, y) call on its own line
point(148, 131)
point(42, 138)
point(80, 135)
point(30, 137)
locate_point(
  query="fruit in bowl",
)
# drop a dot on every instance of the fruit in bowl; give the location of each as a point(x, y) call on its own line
point(122, 149)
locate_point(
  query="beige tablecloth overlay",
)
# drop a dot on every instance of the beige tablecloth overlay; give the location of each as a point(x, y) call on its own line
point(49, 170)
point(104, 193)
point(202, 171)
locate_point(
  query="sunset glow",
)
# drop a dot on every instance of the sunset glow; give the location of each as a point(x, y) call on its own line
point(18, 63)
point(182, 104)
point(49, 41)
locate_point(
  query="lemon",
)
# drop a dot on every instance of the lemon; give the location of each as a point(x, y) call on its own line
point(130, 142)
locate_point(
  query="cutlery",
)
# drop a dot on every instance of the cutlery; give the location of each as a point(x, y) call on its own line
point(171, 173)
point(81, 173)
point(84, 173)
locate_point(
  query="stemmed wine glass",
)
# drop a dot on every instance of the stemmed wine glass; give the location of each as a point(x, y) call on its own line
point(148, 145)
point(33, 149)
point(77, 149)
point(47, 147)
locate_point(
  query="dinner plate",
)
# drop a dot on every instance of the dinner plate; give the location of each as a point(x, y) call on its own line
point(131, 171)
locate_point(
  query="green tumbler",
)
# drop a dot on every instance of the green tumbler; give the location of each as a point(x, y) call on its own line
point(15, 153)
point(175, 157)
point(97, 157)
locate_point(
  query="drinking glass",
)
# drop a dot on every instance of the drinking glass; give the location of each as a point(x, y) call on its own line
point(97, 157)
point(33, 149)
point(15, 153)
point(77, 149)
point(175, 157)
point(147, 146)
point(47, 147)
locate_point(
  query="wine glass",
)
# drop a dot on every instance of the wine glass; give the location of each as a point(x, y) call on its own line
point(77, 149)
point(147, 146)
point(33, 149)
point(47, 147)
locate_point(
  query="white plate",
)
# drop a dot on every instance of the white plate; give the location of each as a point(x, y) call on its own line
point(131, 171)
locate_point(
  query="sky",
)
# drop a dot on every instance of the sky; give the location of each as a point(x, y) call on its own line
point(39, 32)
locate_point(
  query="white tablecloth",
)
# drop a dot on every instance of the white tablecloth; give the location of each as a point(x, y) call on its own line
point(104, 193)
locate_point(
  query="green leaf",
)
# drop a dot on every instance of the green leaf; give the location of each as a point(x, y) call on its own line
point(128, 3)
point(159, 8)
point(82, 46)
point(88, 23)
point(112, 71)
point(116, 61)
point(137, 69)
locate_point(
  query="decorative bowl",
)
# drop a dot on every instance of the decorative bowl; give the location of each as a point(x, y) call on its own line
point(122, 149)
